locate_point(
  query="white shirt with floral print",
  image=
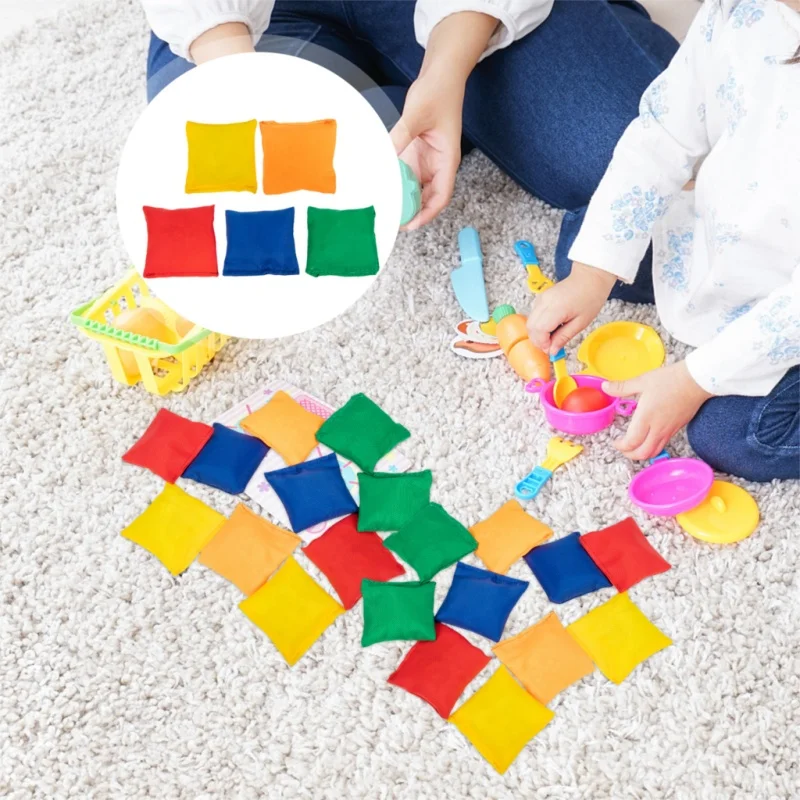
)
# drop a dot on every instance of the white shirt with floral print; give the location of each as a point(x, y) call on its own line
point(726, 255)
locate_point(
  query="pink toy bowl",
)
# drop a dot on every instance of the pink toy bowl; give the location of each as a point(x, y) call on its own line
point(671, 486)
point(583, 422)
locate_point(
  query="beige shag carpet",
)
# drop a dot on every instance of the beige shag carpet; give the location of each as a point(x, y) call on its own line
point(120, 681)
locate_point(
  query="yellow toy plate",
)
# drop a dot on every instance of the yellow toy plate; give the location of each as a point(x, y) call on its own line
point(729, 514)
point(619, 351)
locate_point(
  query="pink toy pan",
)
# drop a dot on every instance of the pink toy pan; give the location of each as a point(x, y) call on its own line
point(580, 423)
point(671, 486)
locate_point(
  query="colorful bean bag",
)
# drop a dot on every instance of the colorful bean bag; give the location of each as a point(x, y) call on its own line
point(288, 428)
point(438, 672)
point(299, 156)
point(260, 243)
point(362, 432)
point(228, 460)
point(175, 527)
point(346, 556)
point(181, 243)
point(480, 601)
point(248, 549)
point(342, 242)
point(500, 719)
point(431, 541)
point(388, 500)
point(292, 609)
point(623, 554)
point(169, 445)
point(222, 157)
point(312, 492)
point(564, 569)
point(505, 536)
point(618, 637)
point(545, 658)
point(397, 611)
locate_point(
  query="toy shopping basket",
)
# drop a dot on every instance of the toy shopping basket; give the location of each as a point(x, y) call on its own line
point(162, 367)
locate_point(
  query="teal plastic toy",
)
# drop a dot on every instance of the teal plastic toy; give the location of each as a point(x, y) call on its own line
point(412, 199)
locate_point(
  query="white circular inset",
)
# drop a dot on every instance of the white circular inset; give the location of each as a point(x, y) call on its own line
point(265, 87)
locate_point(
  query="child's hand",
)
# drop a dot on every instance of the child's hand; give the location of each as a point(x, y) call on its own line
point(668, 399)
point(565, 309)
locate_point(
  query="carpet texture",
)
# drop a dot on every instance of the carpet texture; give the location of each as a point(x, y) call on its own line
point(121, 681)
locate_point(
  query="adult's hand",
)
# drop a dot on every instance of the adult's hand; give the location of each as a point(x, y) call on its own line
point(428, 135)
point(428, 139)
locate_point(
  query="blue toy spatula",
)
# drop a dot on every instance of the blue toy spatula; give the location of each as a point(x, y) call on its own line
point(467, 279)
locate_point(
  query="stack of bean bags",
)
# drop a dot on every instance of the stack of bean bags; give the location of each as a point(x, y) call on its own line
point(368, 553)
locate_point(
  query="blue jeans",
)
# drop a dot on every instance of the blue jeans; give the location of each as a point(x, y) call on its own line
point(548, 110)
point(757, 438)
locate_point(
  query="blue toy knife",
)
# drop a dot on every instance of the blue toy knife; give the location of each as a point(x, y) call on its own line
point(467, 279)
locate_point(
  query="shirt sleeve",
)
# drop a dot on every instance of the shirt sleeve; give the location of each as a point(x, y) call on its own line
point(753, 352)
point(517, 18)
point(652, 161)
point(180, 22)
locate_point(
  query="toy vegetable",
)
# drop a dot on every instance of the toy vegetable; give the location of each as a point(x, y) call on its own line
point(527, 360)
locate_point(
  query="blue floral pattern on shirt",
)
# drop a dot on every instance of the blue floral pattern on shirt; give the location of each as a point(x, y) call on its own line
point(701, 112)
point(746, 13)
point(676, 259)
point(653, 106)
point(780, 326)
point(707, 28)
point(732, 313)
point(721, 234)
point(635, 212)
point(730, 95)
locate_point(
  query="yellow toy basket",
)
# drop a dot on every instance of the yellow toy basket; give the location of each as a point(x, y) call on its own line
point(162, 367)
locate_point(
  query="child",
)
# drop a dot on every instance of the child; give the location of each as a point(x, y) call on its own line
point(724, 268)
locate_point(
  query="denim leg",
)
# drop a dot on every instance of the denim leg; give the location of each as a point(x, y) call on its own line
point(640, 291)
point(163, 66)
point(559, 100)
point(756, 438)
point(315, 31)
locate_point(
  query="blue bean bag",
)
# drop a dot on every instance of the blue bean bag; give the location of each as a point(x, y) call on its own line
point(227, 461)
point(312, 492)
point(480, 601)
point(260, 243)
point(565, 570)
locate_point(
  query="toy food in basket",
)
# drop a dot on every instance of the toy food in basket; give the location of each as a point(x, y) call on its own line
point(145, 340)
